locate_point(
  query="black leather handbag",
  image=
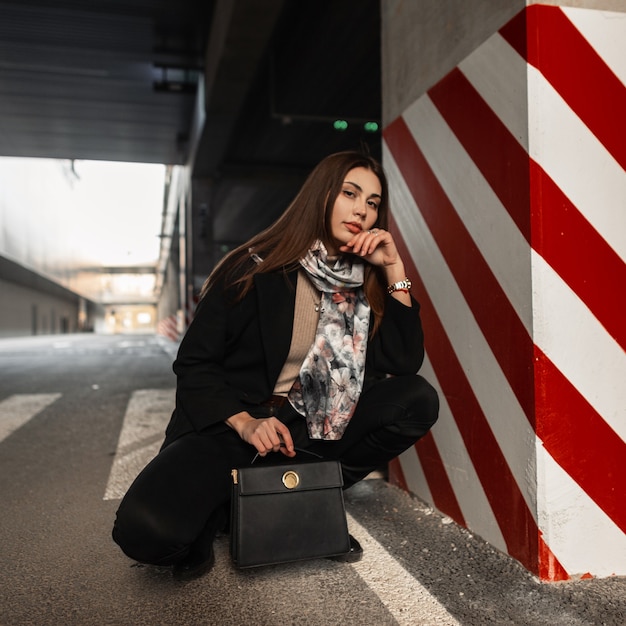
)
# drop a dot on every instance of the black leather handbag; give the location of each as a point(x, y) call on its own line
point(287, 512)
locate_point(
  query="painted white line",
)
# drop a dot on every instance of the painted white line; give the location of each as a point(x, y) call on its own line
point(16, 410)
point(404, 597)
point(146, 417)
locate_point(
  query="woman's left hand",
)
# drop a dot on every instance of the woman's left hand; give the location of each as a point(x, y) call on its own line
point(376, 246)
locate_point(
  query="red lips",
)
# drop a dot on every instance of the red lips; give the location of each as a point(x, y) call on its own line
point(353, 227)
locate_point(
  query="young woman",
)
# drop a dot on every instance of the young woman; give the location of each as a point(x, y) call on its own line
point(305, 337)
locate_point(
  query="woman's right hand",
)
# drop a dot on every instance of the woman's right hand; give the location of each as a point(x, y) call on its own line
point(266, 434)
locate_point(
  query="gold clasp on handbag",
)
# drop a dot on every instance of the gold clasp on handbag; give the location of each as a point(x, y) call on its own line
point(291, 479)
point(235, 474)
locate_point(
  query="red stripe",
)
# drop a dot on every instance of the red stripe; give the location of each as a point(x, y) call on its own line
point(570, 64)
point(508, 339)
point(396, 475)
point(168, 327)
point(577, 252)
point(564, 238)
point(570, 245)
point(494, 150)
point(515, 520)
point(437, 478)
point(549, 567)
point(560, 234)
point(580, 441)
point(514, 32)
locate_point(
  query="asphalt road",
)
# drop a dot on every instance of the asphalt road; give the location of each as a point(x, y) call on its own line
point(80, 414)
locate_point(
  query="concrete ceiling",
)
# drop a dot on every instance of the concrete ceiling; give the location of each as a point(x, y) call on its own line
point(116, 80)
point(80, 79)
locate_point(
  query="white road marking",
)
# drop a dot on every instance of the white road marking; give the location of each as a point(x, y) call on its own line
point(16, 410)
point(404, 597)
point(141, 436)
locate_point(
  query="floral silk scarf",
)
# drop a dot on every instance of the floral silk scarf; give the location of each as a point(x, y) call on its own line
point(331, 378)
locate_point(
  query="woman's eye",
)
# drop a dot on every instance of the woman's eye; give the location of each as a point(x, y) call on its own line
point(373, 204)
point(349, 193)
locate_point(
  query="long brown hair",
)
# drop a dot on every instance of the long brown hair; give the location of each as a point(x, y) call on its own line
point(307, 219)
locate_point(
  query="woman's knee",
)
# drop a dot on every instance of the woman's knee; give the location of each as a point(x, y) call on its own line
point(428, 400)
point(421, 403)
point(146, 536)
point(168, 504)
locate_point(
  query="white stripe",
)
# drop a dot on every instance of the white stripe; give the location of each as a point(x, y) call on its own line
point(514, 434)
point(580, 535)
point(579, 346)
point(408, 601)
point(146, 417)
point(498, 73)
point(593, 361)
point(16, 410)
point(494, 232)
point(126, 467)
point(414, 475)
point(594, 171)
point(577, 162)
point(558, 140)
point(606, 32)
point(460, 470)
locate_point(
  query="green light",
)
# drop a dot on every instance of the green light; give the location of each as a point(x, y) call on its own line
point(340, 125)
point(370, 127)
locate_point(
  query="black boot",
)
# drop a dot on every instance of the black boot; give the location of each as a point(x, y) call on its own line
point(201, 557)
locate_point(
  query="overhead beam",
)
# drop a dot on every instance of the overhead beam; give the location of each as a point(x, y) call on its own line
point(240, 33)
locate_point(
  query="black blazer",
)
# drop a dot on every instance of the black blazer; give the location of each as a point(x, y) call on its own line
point(232, 353)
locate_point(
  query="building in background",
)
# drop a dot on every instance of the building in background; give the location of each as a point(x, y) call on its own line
point(78, 240)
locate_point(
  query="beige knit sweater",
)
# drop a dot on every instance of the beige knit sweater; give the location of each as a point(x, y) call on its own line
point(305, 321)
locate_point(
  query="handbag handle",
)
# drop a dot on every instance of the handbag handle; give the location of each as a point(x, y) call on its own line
point(282, 445)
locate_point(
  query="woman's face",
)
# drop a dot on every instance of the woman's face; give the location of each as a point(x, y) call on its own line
point(355, 208)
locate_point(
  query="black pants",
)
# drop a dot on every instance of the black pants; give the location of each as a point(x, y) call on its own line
point(180, 500)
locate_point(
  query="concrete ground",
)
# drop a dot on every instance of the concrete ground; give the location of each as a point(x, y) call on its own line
point(67, 449)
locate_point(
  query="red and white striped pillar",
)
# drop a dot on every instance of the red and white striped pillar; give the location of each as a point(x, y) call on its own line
point(508, 182)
